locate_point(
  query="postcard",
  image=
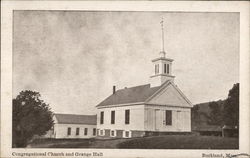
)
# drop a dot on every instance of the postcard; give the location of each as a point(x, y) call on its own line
point(125, 79)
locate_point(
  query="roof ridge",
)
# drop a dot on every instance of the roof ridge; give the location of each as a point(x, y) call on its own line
point(133, 87)
point(73, 114)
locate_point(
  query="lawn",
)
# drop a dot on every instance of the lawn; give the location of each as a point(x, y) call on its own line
point(60, 143)
point(75, 143)
point(155, 142)
point(181, 142)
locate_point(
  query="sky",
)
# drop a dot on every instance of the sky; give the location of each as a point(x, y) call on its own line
point(73, 58)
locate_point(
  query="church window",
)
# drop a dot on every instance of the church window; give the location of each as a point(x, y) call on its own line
point(85, 131)
point(94, 131)
point(113, 133)
point(168, 117)
point(77, 131)
point(127, 113)
point(167, 68)
point(102, 117)
point(112, 117)
point(101, 132)
point(69, 131)
point(127, 134)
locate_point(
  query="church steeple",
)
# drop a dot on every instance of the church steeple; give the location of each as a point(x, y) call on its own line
point(162, 66)
point(162, 53)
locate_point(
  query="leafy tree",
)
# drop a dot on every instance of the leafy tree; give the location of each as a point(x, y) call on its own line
point(195, 112)
point(231, 107)
point(31, 116)
point(215, 114)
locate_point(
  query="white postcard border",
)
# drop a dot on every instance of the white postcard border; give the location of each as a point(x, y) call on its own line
point(170, 6)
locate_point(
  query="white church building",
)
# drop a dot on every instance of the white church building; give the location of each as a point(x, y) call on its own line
point(152, 109)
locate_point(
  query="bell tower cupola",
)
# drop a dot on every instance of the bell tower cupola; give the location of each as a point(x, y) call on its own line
point(162, 66)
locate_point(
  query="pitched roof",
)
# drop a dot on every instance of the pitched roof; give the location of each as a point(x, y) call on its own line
point(76, 119)
point(130, 95)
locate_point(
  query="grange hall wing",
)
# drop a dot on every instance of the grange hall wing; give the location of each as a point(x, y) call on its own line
point(73, 126)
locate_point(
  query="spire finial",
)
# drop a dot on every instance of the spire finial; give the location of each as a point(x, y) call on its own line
point(162, 31)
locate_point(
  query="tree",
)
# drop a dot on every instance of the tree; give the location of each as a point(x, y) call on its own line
point(215, 114)
point(195, 114)
point(31, 116)
point(231, 107)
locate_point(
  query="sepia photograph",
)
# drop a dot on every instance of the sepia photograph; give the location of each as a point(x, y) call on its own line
point(155, 80)
point(134, 80)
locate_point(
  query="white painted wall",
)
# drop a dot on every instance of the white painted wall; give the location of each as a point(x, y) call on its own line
point(61, 131)
point(181, 119)
point(136, 118)
point(142, 118)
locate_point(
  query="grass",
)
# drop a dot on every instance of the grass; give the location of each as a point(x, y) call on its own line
point(75, 143)
point(155, 142)
point(61, 143)
point(181, 142)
